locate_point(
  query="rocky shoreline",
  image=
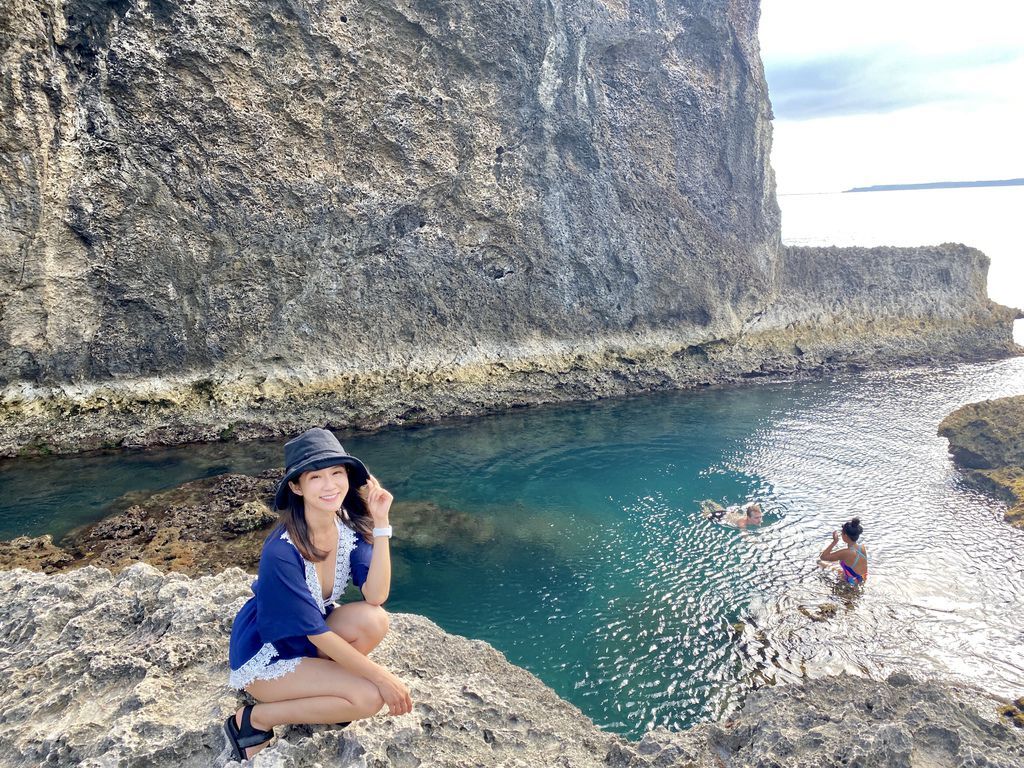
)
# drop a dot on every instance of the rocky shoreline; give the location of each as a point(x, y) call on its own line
point(987, 443)
point(146, 651)
point(812, 329)
point(130, 669)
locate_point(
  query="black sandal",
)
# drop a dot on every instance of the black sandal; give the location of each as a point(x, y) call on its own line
point(246, 736)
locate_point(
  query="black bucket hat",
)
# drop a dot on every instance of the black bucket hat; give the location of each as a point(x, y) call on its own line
point(315, 449)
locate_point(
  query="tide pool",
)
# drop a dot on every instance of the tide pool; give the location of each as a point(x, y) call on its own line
point(582, 555)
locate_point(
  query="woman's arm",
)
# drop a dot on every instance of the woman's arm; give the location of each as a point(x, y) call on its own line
point(392, 690)
point(828, 555)
point(378, 581)
point(377, 586)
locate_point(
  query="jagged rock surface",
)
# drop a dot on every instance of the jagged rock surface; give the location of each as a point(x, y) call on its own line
point(237, 218)
point(130, 670)
point(35, 554)
point(987, 441)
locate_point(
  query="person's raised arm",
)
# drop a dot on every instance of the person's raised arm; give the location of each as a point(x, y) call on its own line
point(377, 586)
point(827, 554)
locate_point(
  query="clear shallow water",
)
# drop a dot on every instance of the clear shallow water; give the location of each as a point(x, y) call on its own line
point(585, 558)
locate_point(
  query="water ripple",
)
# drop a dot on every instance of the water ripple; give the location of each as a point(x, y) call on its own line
point(603, 578)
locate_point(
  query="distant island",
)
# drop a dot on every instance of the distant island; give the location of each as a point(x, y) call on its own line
point(939, 185)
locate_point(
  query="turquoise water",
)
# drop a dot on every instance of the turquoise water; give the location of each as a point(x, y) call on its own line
point(581, 553)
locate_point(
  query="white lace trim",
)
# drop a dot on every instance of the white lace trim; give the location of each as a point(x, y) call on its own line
point(261, 667)
point(347, 541)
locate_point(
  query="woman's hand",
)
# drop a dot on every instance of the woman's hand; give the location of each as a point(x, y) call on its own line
point(378, 501)
point(827, 554)
point(394, 693)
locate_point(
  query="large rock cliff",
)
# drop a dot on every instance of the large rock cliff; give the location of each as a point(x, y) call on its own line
point(240, 217)
point(130, 670)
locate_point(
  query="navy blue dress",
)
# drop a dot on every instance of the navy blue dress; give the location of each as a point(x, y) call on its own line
point(268, 638)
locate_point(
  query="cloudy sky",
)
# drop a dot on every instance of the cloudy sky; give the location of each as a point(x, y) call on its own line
point(896, 91)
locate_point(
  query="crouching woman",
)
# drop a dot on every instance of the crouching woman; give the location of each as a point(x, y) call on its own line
point(300, 656)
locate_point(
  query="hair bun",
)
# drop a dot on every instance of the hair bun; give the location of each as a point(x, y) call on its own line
point(855, 521)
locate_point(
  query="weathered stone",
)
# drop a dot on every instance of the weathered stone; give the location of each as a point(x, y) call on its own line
point(130, 669)
point(207, 525)
point(199, 527)
point(36, 554)
point(987, 435)
point(234, 219)
point(251, 516)
point(987, 441)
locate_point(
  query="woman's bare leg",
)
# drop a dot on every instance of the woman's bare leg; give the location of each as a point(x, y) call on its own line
point(317, 692)
point(362, 625)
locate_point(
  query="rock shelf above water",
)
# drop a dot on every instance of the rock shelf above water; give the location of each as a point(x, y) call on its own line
point(234, 219)
point(987, 442)
point(129, 669)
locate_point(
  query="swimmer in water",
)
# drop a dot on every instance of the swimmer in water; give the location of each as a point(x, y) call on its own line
point(747, 516)
point(752, 515)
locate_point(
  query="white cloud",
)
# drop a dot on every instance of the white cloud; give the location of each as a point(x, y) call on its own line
point(875, 93)
point(807, 29)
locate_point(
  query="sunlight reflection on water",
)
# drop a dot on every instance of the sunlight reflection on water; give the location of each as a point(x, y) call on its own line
point(582, 554)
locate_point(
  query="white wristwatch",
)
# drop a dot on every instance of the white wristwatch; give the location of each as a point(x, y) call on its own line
point(382, 533)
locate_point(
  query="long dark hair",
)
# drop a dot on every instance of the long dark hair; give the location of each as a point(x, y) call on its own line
point(353, 513)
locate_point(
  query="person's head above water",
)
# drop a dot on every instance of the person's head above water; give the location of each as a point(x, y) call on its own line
point(754, 513)
point(852, 529)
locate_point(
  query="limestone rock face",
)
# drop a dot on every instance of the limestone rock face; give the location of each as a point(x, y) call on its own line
point(131, 669)
point(337, 186)
point(236, 218)
point(987, 441)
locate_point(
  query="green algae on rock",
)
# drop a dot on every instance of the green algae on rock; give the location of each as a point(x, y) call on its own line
point(207, 525)
point(987, 441)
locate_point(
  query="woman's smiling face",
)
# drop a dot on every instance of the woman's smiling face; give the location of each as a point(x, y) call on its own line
point(322, 490)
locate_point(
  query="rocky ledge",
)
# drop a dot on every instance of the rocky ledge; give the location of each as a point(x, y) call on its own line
point(207, 525)
point(129, 669)
point(987, 442)
point(833, 309)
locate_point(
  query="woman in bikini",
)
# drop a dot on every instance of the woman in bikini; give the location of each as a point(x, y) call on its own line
point(300, 656)
point(853, 561)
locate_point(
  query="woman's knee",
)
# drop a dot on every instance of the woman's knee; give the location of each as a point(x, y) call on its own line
point(378, 622)
point(373, 623)
point(367, 700)
point(361, 624)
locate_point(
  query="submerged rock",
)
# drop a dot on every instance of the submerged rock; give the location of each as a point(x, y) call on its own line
point(987, 441)
point(207, 525)
point(130, 669)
